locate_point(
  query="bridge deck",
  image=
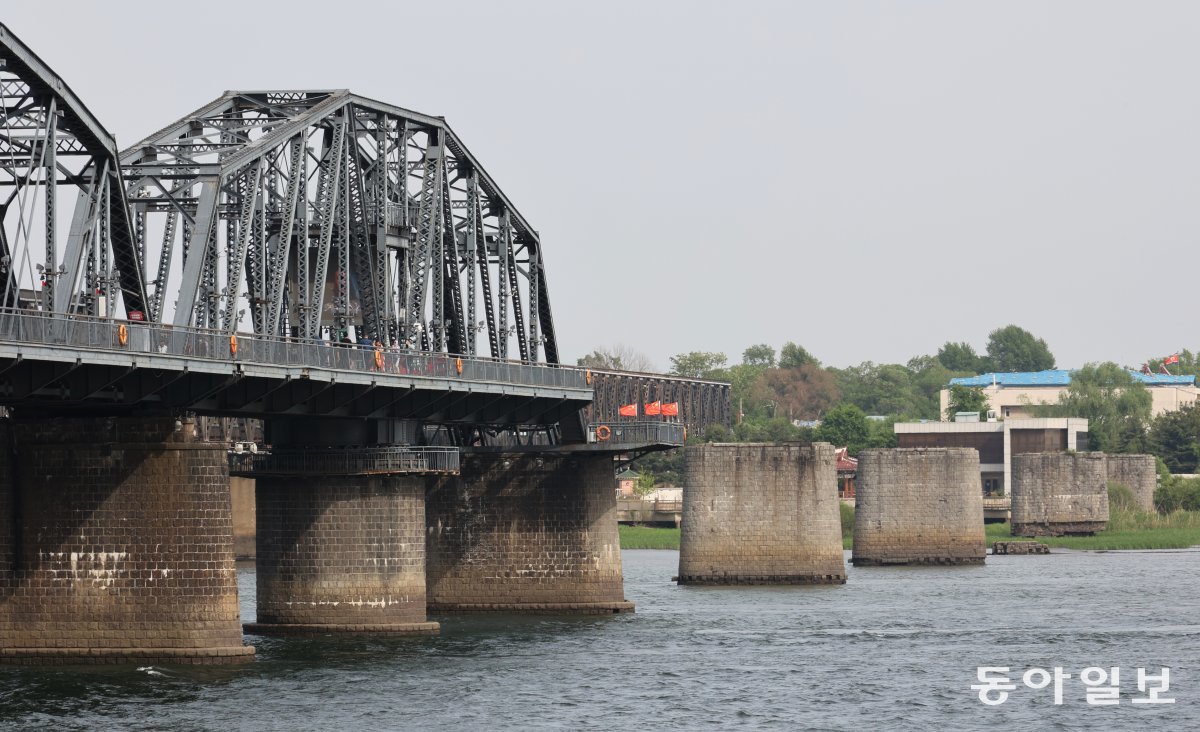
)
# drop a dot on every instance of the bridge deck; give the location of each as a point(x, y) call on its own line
point(79, 363)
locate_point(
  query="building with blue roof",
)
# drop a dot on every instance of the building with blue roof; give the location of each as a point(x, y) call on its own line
point(1012, 395)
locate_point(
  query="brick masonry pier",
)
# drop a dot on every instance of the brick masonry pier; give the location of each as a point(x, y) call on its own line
point(1139, 473)
point(116, 544)
point(761, 514)
point(341, 554)
point(918, 506)
point(1059, 493)
point(525, 533)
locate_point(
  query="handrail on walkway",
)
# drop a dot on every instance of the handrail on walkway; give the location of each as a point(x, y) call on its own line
point(34, 327)
point(388, 460)
point(639, 433)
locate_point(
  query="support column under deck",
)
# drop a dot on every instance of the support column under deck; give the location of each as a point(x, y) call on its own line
point(116, 544)
point(341, 554)
point(525, 533)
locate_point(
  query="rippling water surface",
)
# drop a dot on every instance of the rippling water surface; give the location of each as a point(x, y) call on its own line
point(894, 648)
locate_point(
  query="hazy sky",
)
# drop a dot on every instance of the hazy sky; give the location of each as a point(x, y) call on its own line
point(867, 179)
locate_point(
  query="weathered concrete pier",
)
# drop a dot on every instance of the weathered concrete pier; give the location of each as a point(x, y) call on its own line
point(116, 544)
point(761, 514)
point(1059, 494)
point(340, 531)
point(1138, 473)
point(918, 506)
point(525, 533)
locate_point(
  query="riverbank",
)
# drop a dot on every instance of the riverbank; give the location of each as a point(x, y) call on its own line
point(1127, 530)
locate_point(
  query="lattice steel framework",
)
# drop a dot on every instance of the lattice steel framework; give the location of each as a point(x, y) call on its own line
point(53, 153)
point(314, 211)
point(701, 403)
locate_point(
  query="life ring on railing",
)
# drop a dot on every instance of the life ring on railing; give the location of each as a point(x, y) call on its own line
point(458, 365)
point(379, 358)
point(232, 345)
point(122, 334)
point(603, 432)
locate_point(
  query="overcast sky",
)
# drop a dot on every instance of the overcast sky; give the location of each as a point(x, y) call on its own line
point(867, 179)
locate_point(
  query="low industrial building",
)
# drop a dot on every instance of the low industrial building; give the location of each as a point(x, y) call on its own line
point(997, 442)
point(1015, 395)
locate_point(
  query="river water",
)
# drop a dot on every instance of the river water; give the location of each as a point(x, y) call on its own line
point(895, 648)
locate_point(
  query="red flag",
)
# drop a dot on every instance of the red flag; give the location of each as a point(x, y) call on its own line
point(670, 409)
point(653, 409)
point(628, 410)
point(1173, 358)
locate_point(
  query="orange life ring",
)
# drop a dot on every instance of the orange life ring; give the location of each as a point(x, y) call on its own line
point(232, 345)
point(122, 334)
point(379, 358)
point(458, 365)
point(603, 432)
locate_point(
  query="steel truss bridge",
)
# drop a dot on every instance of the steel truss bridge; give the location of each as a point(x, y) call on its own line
point(271, 254)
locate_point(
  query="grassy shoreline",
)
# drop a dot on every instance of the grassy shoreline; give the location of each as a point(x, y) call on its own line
point(1128, 530)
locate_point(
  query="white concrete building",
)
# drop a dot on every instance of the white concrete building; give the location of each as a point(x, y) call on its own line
point(1014, 394)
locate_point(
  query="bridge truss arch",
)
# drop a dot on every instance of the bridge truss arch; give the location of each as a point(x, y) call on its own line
point(59, 171)
point(311, 213)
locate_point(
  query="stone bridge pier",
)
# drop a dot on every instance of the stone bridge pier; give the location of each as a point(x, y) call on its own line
point(116, 544)
point(762, 514)
point(525, 533)
point(338, 549)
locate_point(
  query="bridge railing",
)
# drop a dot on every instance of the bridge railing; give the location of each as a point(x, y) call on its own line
point(104, 334)
point(629, 433)
point(390, 460)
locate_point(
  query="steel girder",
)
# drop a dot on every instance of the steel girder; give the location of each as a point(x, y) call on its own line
point(49, 139)
point(339, 211)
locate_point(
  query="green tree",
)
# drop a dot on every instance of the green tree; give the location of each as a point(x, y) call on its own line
point(793, 356)
point(664, 468)
point(844, 425)
point(1177, 493)
point(759, 355)
point(1175, 437)
point(881, 432)
point(1012, 348)
point(800, 393)
point(742, 378)
point(618, 357)
point(697, 364)
point(960, 357)
point(1116, 405)
point(884, 389)
point(929, 377)
point(966, 399)
point(773, 429)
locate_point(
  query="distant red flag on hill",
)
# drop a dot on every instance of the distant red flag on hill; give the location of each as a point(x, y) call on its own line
point(1173, 358)
point(628, 410)
point(670, 409)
